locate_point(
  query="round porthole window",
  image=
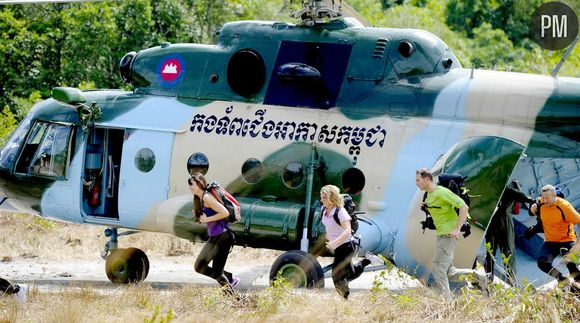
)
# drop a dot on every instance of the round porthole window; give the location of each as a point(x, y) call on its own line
point(252, 171)
point(197, 163)
point(145, 160)
point(246, 72)
point(293, 175)
point(353, 181)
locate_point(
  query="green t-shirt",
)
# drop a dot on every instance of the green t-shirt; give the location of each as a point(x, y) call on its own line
point(444, 215)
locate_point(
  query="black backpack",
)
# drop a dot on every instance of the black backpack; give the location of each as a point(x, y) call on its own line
point(350, 208)
point(456, 184)
point(225, 198)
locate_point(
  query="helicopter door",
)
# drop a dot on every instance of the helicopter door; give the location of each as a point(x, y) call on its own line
point(144, 178)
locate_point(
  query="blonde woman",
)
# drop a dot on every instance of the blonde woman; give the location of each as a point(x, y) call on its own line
point(339, 239)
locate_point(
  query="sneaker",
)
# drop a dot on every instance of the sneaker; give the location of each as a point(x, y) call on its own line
point(235, 281)
point(22, 294)
point(374, 259)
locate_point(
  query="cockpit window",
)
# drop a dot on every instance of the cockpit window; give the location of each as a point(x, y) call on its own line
point(10, 150)
point(47, 150)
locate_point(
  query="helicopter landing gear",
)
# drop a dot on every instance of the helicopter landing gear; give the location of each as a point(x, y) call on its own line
point(127, 266)
point(298, 268)
point(124, 266)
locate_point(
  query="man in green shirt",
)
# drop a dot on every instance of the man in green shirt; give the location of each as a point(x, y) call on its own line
point(441, 204)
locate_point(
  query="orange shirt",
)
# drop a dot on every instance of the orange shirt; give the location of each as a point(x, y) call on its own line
point(557, 229)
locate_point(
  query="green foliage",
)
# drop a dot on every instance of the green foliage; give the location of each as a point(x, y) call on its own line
point(81, 44)
point(7, 125)
point(275, 296)
point(511, 16)
point(491, 47)
point(10, 117)
point(77, 44)
point(378, 285)
point(161, 319)
point(41, 224)
point(80, 62)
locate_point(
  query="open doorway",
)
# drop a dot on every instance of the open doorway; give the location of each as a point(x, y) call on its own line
point(101, 172)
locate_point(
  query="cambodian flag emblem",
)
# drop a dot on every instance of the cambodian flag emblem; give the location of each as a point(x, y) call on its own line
point(170, 70)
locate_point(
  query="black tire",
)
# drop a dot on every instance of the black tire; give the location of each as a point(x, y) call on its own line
point(299, 268)
point(127, 266)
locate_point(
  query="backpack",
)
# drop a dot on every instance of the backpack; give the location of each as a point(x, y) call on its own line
point(350, 208)
point(456, 184)
point(225, 198)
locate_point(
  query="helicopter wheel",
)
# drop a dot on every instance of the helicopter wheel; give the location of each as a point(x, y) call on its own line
point(127, 266)
point(298, 268)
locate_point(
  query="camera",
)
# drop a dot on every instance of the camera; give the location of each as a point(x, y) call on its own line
point(466, 229)
point(428, 224)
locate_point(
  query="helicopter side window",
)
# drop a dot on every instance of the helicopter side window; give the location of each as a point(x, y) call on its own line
point(308, 74)
point(31, 146)
point(47, 150)
point(10, 151)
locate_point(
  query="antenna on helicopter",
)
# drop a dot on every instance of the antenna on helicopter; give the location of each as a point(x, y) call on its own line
point(317, 11)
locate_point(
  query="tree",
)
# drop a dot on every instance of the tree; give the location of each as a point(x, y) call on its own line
point(88, 52)
point(511, 16)
point(491, 48)
point(172, 21)
point(7, 125)
point(16, 54)
point(464, 16)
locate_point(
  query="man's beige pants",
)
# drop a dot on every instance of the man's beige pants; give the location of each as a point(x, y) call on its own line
point(443, 269)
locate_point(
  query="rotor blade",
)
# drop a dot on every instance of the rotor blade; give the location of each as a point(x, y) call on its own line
point(349, 11)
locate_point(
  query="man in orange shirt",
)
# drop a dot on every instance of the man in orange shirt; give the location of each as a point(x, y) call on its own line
point(557, 217)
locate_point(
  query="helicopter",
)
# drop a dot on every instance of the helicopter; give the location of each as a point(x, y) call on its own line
point(274, 111)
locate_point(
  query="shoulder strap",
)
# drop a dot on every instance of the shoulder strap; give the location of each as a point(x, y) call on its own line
point(557, 206)
point(424, 207)
point(561, 211)
point(570, 226)
point(212, 193)
point(335, 216)
point(201, 200)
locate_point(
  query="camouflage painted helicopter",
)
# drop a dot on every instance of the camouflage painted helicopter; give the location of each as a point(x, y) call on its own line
point(273, 111)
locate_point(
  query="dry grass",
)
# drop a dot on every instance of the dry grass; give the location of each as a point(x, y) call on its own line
point(23, 236)
point(141, 303)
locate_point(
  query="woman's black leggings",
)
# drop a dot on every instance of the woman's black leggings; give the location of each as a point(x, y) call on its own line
point(216, 249)
point(343, 270)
